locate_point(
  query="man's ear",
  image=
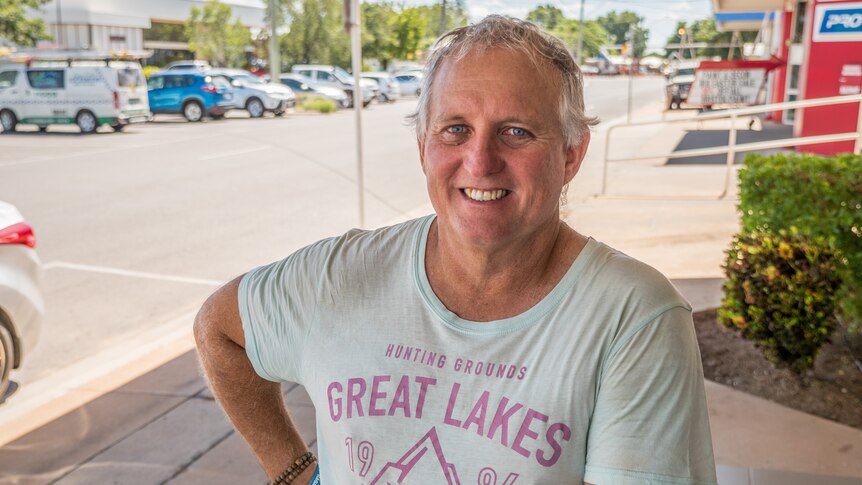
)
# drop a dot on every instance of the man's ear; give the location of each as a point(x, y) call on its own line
point(575, 155)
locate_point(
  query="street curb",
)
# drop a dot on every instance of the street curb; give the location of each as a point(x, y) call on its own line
point(64, 391)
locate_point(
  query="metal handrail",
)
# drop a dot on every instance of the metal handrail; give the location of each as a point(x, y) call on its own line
point(732, 147)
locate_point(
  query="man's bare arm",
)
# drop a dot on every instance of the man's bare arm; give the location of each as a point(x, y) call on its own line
point(254, 405)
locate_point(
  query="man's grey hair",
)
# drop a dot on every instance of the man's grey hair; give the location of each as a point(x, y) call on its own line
point(497, 31)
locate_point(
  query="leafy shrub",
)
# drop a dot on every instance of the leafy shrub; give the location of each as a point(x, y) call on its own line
point(323, 105)
point(780, 293)
point(148, 70)
point(821, 197)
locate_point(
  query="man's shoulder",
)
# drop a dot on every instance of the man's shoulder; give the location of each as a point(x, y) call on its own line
point(618, 274)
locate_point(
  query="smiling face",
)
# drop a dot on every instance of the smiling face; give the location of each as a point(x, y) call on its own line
point(494, 154)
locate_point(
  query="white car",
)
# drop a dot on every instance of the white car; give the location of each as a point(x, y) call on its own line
point(390, 90)
point(305, 89)
point(21, 304)
point(337, 77)
point(256, 95)
point(410, 82)
point(88, 93)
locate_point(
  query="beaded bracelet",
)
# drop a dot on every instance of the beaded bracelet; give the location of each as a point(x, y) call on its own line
point(294, 470)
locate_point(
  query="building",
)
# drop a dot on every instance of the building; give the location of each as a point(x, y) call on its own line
point(134, 25)
point(819, 43)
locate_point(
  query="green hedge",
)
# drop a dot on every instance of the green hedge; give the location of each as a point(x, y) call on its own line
point(780, 292)
point(821, 197)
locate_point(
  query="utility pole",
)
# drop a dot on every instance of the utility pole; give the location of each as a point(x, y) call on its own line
point(274, 58)
point(352, 24)
point(631, 52)
point(60, 24)
point(579, 57)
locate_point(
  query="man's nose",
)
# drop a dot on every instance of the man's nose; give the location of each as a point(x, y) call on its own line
point(482, 155)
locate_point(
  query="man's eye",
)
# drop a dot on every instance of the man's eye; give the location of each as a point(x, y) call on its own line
point(457, 129)
point(519, 132)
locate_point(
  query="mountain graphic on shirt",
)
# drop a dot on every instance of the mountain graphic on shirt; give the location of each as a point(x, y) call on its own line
point(421, 464)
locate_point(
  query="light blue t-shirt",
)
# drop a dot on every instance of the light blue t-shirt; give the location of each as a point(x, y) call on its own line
point(601, 381)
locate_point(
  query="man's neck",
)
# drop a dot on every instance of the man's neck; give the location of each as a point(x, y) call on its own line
point(483, 284)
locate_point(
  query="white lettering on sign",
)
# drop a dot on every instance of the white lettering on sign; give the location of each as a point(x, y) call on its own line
point(848, 21)
point(726, 86)
point(851, 70)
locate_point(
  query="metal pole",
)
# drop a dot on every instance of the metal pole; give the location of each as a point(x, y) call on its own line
point(274, 57)
point(731, 155)
point(605, 165)
point(358, 98)
point(60, 35)
point(579, 57)
point(631, 72)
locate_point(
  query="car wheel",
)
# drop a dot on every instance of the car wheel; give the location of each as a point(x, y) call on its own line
point(7, 360)
point(8, 121)
point(87, 122)
point(254, 107)
point(43, 129)
point(217, 116)
point(279, 112)
point(193, 111)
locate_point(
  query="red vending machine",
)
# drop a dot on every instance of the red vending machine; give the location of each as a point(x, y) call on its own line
point(832, 67)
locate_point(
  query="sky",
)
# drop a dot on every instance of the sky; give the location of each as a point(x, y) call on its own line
point(661, 16)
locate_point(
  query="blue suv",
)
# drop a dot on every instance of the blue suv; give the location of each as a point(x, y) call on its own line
point(194, 94)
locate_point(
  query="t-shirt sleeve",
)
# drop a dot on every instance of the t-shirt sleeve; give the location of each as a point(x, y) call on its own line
point(650, 423)
point(278, 308)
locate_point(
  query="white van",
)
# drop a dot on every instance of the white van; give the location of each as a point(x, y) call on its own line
point(87, 93)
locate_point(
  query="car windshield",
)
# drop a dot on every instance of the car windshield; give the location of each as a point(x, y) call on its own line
point(130, 77)
point(685, 72)
point(249, 79)
point(342, 75)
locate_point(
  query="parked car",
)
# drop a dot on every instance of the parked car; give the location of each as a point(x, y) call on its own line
point(193, 94)
point(389, 88)
point(195, 64)
point(410, 82)
point(337, 77)
point(255, 95)
point(305, 89)
point(679, 81)
point(21, 304)
point(88, 93)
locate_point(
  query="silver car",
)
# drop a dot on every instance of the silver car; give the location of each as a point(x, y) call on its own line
point(21, 304)
point(390, 90)
point(256, 95)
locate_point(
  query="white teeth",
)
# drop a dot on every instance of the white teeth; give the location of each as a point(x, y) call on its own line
point(485, 195)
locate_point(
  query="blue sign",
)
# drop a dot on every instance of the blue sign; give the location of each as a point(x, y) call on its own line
point(840, 22)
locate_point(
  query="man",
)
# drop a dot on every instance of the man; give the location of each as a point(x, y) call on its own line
point(490, 344)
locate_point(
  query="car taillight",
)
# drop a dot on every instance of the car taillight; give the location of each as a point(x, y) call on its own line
point(20, 233)
point(209, 88)
point(116, 100)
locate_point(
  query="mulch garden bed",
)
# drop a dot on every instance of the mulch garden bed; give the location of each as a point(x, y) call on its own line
point(832, 389)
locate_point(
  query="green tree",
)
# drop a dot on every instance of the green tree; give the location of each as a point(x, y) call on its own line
point(617, 26)
point(595, 35)
point(378, 32)
point(316, 33)
point(18, 27)
point(546, 16)
point(213, 37)
point(411, 28)
point(704, 30)
point(553, 21)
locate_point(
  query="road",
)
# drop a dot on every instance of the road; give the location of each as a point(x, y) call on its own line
point(137, 228)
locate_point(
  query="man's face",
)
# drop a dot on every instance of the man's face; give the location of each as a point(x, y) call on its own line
point(494, 154)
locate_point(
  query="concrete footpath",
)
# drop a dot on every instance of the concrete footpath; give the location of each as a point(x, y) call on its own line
point(153, 421)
